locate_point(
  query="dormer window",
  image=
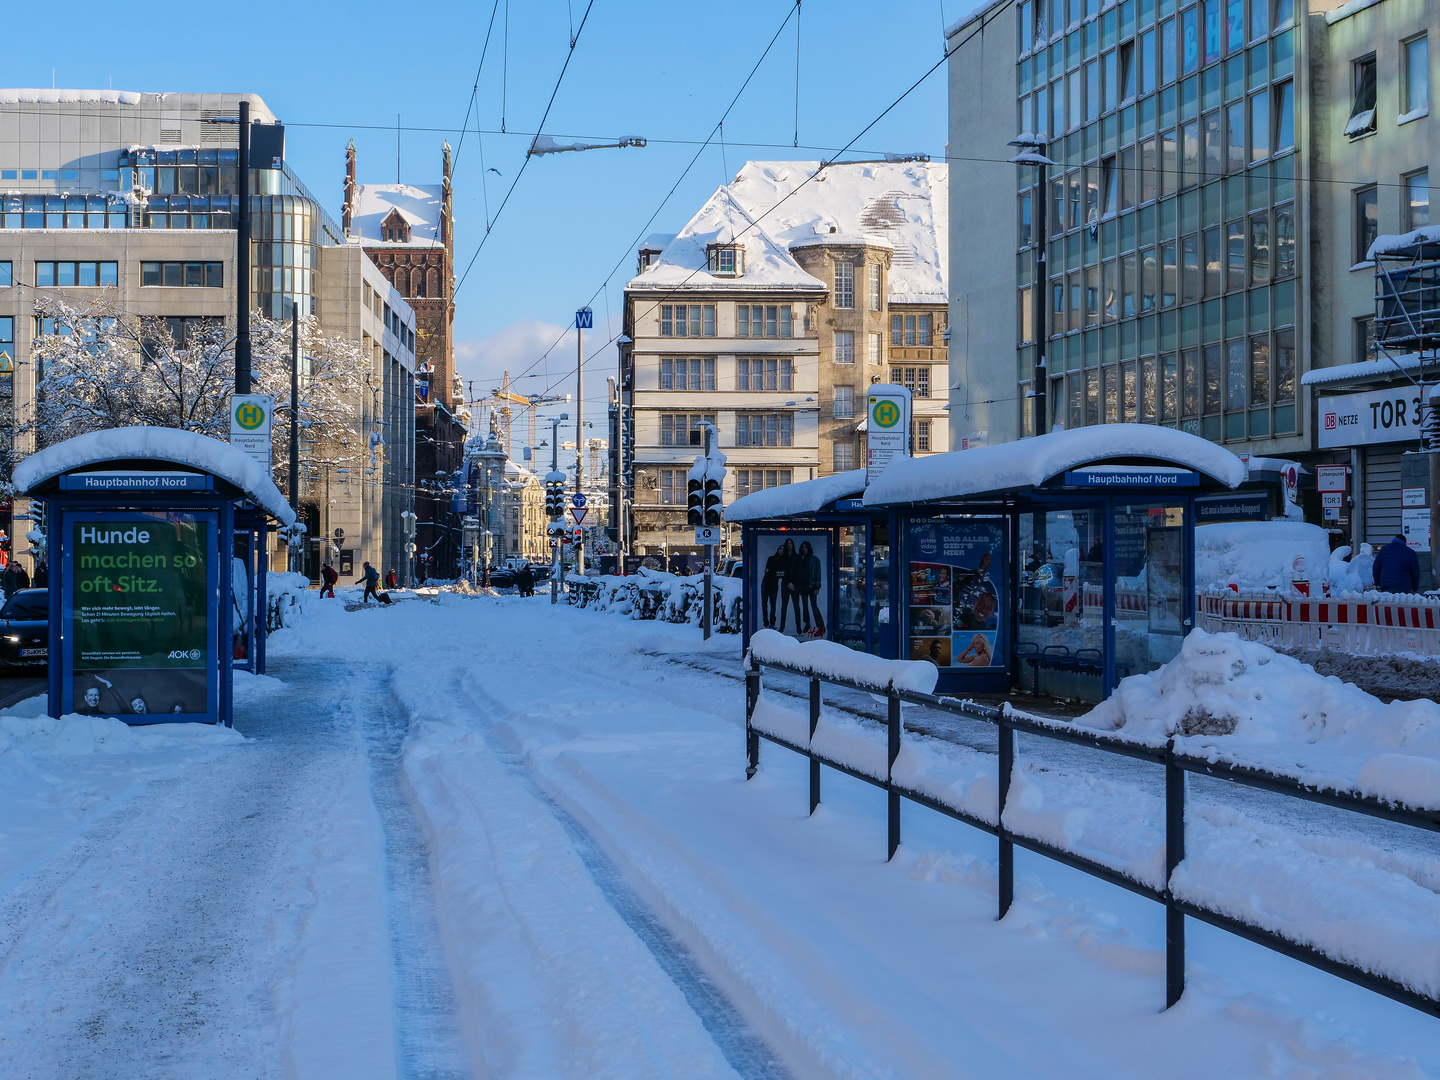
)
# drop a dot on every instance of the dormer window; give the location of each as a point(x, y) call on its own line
point(395, 228)
point(648, 258)
point(726, 259)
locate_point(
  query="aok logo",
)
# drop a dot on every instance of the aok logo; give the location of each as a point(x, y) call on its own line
point(249, 415)
point(184, 654)
point(885, 413)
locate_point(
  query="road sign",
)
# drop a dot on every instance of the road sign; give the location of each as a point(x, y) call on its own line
point(250, 416)
point(707, 535)
point(578, 500)
point(887, 427)
point(1329, 499)
point(578, 513)
point(1330, 477)
point(584, 319)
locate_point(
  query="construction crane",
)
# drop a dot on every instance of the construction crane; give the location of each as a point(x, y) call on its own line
point(500, 401)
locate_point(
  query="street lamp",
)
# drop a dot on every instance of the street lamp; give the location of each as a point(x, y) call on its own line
point(1032, 152)
point(557, 568)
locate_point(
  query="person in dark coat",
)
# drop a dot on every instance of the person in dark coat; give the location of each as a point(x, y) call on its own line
point(372, 584)
point(525, 581)
point(22, 577)
point(770, 587)
point(41, 579)
point(328, 578)
point(1396, 568)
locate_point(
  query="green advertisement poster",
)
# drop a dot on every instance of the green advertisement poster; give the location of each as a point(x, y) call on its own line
point(140, 617)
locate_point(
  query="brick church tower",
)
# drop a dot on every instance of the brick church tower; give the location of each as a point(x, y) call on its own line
point(408, 231)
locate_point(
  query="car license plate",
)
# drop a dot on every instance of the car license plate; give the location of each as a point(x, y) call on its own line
point(35, 652)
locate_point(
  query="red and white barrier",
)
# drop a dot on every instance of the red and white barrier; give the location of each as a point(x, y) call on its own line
point(1367, 624)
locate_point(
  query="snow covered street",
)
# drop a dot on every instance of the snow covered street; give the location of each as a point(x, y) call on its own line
point(492, 838)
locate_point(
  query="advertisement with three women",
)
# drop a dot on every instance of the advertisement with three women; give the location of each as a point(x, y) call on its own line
point(791, 570)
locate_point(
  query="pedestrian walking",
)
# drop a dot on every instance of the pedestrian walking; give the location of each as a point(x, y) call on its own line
point(372, 584)
point(1396, 568)
point(328, 578)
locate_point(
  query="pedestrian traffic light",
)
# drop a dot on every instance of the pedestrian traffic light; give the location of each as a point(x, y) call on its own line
point(695, 503)
point(714, 497)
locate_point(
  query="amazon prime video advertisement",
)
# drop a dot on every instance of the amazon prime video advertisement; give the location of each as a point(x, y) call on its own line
point(140, 623)
point(792, 578)
point(957, 606)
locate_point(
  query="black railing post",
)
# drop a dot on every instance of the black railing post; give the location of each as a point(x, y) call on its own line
point(893, 795)
point(1006, 735)
point(752, 698)
point(814, 765)
point(1174, 856)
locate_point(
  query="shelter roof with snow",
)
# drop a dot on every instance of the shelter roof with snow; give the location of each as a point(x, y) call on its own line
point(147, 447)
point(774, 207)
point(397, 214)
point(803, 498)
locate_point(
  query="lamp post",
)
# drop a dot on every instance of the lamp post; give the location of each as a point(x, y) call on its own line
point(1032, 152)
point(584, 320)
point(557, 567)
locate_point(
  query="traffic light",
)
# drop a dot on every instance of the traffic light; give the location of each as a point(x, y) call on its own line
point(695, 512)
point(554, 499)
point(713, 501)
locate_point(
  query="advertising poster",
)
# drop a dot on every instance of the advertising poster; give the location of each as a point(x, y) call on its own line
point(1165, 581)
point(957, 603)
point(791, 576)
point(139, 613)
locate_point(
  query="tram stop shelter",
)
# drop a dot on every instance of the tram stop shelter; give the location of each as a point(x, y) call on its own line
point(1057, 564)
point(156, 543)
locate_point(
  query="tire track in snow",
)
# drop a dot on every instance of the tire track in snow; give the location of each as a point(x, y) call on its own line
point(737, 1041)
point(426, 1016)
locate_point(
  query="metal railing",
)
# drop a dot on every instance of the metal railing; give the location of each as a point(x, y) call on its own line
point(1175, 765)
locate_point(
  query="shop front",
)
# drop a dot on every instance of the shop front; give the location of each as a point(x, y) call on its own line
point(1058, 564)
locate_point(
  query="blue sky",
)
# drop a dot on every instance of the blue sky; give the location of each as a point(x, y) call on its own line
point(665, 71)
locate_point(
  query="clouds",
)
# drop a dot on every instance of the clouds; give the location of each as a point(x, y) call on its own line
point(518, 346)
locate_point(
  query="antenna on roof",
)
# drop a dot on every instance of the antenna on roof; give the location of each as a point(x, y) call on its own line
point(397, 148)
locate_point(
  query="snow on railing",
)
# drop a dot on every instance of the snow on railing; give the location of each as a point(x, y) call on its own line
point(1366, 624)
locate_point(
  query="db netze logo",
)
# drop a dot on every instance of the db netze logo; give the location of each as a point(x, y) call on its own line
point(1330, 423)
point(184, 654)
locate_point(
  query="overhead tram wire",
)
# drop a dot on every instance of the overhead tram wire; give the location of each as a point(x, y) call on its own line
point(984, 22)
point(570, 55)
point(644, 229)
point(475, 90)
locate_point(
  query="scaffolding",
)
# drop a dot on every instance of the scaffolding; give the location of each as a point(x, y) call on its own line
point(1407, 296)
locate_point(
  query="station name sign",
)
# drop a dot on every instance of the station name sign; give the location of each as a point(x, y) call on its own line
point(1132, 478)
point(132, 482)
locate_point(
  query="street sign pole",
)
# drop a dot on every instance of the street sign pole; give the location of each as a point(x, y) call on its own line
point(709, 557)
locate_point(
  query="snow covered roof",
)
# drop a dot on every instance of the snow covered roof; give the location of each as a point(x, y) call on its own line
point(1344, 11)
point(902, 206)
point(1031, 462)
point(69, 97)
point(1382, 367)
point(803, 498)
point(419, 205)
point(160, 445)
point(1424, 242)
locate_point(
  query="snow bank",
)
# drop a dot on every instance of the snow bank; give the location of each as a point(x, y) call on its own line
point(802, 498)
point(286, 599)
point(160, 445)
point(46, 736)
point(831, 660)
point(1030, 462)
point(1259, 554)
point(1240, 702)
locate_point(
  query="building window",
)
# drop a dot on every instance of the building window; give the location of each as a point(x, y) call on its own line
point(764, 429)
point(61, 211)
point(914, 379)
point(683, 429)
point(1362, 102)
point(763, 320)
point(209, 275)
point(1284, 241)
point(1366, 221)
point(844, 347)
point(687, 374)
point(1284, 117)
point(920, 435)
point(875, 349)
point(845, 284)
point(874, 286)
point(726, 259)
point(768, 373)
point(7, 353)
point(844, 456)
point(82, 274)
point(1365, 338)
point(897, 330)
point(7, 278)
point(672, 487)
point(1415, 97)
point(682, 320)
point(844, 404)
point(1416, 209)
point(749, 480)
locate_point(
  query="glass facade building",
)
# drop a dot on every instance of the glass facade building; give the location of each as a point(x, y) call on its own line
point(1170, 212)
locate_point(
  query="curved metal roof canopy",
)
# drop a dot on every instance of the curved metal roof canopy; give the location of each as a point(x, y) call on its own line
point(133, 446)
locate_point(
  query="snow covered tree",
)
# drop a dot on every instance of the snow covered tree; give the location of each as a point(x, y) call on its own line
point(102, 368)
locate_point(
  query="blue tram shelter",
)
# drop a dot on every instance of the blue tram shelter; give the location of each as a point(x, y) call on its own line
point(156, 545)
point(1056, 565)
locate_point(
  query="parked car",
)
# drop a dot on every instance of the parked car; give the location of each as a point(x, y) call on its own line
point(25, 629)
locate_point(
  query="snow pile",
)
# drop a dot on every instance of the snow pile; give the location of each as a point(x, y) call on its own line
point(46, 736)
point(287, 597)
point(1352, 575)
point(831, 660)
point(1238, 701)
point(654, 594)
point(1259, 554)
point(1031, 462)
